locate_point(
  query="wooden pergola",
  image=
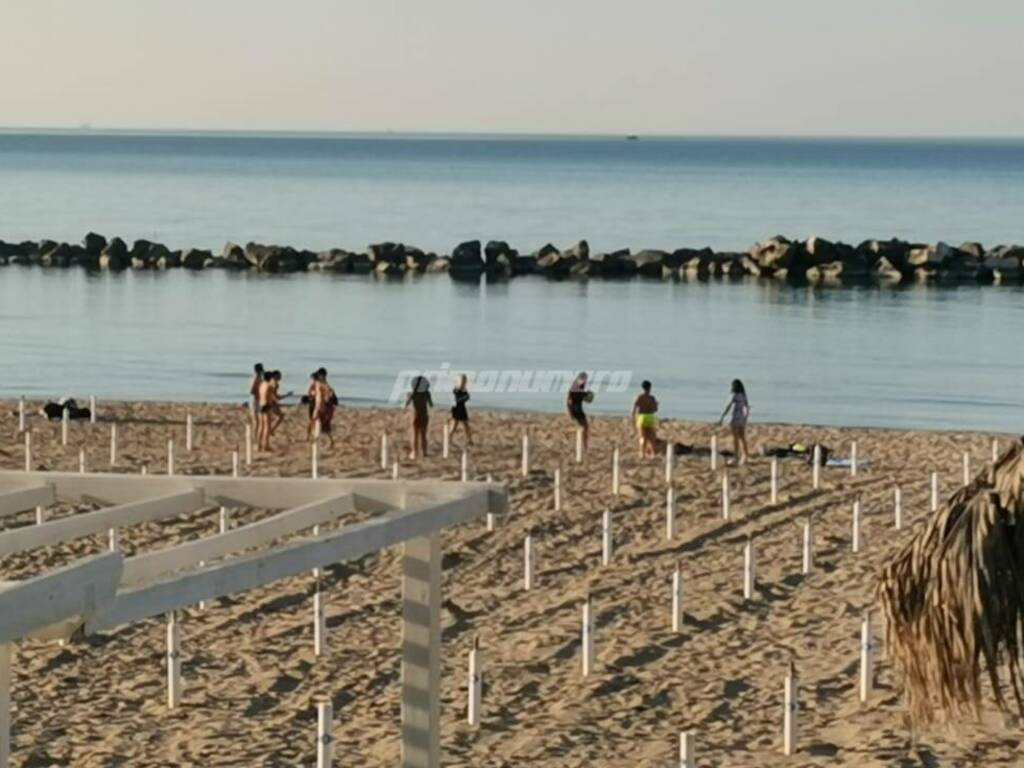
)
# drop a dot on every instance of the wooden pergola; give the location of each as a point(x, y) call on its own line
point(109, 590)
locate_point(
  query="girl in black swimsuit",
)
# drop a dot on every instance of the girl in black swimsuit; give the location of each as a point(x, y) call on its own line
point(459, 413)
point(574, 399)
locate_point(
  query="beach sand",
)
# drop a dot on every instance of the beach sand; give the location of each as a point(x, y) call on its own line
point(251, 679)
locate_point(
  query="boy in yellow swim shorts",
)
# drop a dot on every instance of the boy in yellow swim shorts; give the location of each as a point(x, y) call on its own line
point(644, 409)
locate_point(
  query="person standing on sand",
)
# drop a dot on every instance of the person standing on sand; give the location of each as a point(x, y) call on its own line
point(459, 413)
point(421, 401)
point(574, 399)
point(643, 416)
point(325, 401)
point(254, 392)
point(738, 423)
point(309, 400)
point(269, 407)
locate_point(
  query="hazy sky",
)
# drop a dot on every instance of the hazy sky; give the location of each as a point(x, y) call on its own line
point(904, 67)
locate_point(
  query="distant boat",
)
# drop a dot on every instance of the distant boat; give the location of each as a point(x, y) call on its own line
point(632, 137)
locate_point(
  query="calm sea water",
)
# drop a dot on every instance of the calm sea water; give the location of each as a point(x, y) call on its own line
point(918, 357)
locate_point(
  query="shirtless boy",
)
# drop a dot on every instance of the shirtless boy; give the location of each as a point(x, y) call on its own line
point(644, 409)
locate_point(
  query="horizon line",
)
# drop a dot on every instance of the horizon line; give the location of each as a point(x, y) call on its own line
point(272, 133)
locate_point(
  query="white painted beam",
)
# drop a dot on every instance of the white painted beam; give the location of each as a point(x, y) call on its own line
point(76, 590)
point(13, 502)
point(250, 571)
point(151, 565)
point(102, 520)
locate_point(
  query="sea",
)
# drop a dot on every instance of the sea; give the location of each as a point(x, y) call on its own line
point(936, 357)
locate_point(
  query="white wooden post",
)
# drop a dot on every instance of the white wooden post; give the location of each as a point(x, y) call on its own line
point(714, 452)
point(113, 445)
point(588, 637)
point(967, 468)
point(607, 542)
point(144, 470)
point(173, 661)
point(867, 662)
point(21, 414)
point(475, 684)
point(579, 445)
point(528, 563)
point(92, 409)
point(234, 463)
point(64, 427)
point(808, 548)
point(324, 735)
point(248, 444)
point(5, 704)
point(394, 470)
point(464, 466)
point(224, 520)
point(444, 441)
point(670, 513)
point(995, 450)
point(897, 508)
point(317, 430)
point(112, 541)
point(669, 460)
point(678, 617)
point(856, 526)
point(558, 489)
point(28, 450)
point(421, 652)
point(775, 481)
point(853, 459)
point(40, 515)
point(491, 517)
point(789, 725)
point(615, 470)
point(725, 495)
point(170, 456)
point(816, 467)
point(319, 622)
point(935, 491)
point(687, 752)
point(526, 454)
point(384, 451)
point(749, 570)
point(81, 461)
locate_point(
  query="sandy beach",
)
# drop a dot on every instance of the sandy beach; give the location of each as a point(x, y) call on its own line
point(251, 678)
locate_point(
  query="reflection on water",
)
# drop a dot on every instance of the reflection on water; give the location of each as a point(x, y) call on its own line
point(925, 357)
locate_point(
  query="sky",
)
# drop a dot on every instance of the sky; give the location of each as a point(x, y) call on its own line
point(737, 67)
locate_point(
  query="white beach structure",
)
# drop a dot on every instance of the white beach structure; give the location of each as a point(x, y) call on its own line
point(102, 593)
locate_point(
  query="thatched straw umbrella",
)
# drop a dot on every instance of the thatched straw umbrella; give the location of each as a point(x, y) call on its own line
point(954, 598)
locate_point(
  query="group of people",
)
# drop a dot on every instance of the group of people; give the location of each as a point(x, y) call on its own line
point(645, 420)
point(267, 414)
point(321, 401)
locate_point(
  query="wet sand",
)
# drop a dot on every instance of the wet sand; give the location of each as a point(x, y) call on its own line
point(251, 679)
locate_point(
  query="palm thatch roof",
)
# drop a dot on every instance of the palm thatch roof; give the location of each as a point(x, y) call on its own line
point(953, 598)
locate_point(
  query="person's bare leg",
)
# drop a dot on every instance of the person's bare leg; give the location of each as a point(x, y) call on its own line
point(743, 442)
point(586, 437)
point(735, 443)
point(423, 441)
point(412, 443)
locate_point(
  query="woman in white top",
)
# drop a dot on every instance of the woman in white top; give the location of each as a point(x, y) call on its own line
point(738, 422)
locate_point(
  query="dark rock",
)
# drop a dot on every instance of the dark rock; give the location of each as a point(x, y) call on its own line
point(649, 262)
point(194, 258)
point(114, 256)
point(1003, 264)
point(579, 252)
point(616, 264)
point(466, 260)
point(58, 256)
point(234, 256)
point(781, 258)
point(391, 254)
point(94, 244)
point(139, 250)
point(360, 263)
point(547, 250)
point(333, 260)
point(45, 246)
point(523, 263)
point(886, 271)
point(416, 259)
point(7, 250)
point(680, 257)
point(977, 250)
point(277, 259)
point(168, 259)
point(499, 257)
